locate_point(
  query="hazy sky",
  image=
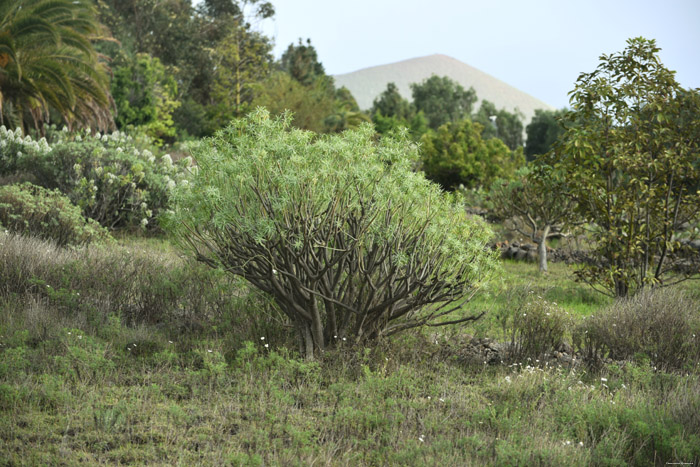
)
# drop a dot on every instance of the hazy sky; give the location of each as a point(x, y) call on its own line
point(539, 47)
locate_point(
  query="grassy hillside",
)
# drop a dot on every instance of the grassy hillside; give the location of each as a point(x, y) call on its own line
point(128, 354)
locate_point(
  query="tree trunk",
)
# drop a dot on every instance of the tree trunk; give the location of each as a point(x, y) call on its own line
point(542, 249)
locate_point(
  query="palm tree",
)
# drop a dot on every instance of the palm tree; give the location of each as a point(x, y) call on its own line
point(48, 63)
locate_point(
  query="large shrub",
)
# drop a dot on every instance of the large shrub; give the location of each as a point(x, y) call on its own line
point(116, 180)
point(661, 325)
point(349, 241)
point(33, 210)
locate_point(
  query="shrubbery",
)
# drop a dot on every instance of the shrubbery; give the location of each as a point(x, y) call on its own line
point(115, 179)
point(661, 325)
point(535, 328)
point(347, 238)
point(33, 210)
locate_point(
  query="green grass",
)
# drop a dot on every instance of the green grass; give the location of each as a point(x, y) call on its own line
point(519, 280)
point(79, 385)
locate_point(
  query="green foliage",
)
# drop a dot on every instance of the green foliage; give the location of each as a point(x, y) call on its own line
point(145, 94)
point(629, 159)
point(340, 231)
point(535, 204)
point(658, 325)
point(457, 155)
point(310, 105)
point(29, 209)
point(111, 177)
point(442, 100)
point(390, 103)
point(301, 63)
point(48, 63)
point(346, 113)
point(501, 124)
point(242, 59)
point(542, 132)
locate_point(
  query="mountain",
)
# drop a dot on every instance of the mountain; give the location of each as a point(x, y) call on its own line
point(368, 83)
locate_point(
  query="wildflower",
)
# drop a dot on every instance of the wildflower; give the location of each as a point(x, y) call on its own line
point(144, 222)
point(267, 345)
point(170, 342)
point(209, 350)
point(421, 439)
point(604, 379)
point(580, 443)
point(262, 338)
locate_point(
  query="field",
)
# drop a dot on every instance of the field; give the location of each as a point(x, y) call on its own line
point(127, 353)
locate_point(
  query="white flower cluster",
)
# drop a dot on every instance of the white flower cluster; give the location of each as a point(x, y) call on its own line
point(25, 143)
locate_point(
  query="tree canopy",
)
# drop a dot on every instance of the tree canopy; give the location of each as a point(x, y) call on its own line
point(442, 100)
point(629, 156)
point(48, 63)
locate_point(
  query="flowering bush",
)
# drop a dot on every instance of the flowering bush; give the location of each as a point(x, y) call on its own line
point(30, 209)
point(115, 179)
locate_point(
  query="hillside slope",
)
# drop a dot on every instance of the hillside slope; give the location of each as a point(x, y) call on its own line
point(368, 83)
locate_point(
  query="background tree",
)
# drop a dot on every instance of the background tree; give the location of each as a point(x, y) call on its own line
point(242, 61)
point(542, 132)
point(501, 124)
point(347, 238)
point(309, 105)
point(442, 100)
point(48, 63)
point(629, 159)
point(145, 95)
point(346, 113)
point(390, 103)
point(535, 204)
point(301, 62)
point(456, 154)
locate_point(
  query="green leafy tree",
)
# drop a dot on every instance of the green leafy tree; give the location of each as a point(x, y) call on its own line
point(390, 103)
point(535, 203)
point(501, 124)
point(542, 132)
point(346, 112)
point(311, 105)
point(145, 94)
point(301, 62)
point(442, 100)
point(349, 241)
point(456, 154)
point(242, 62)
point(48, 63)
point(629, 155)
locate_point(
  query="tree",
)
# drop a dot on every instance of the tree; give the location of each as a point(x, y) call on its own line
point(456, 155)
point(542, 132)
point(242, 61)
point(390, 103)
point(310, 105)
point(501, 124)
point(442, 100)
point(629, 157)
point(48, 63)
point(349, 241)
point(346, 113)
point(145, 95)
point(301, 62)
point(535, 203)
